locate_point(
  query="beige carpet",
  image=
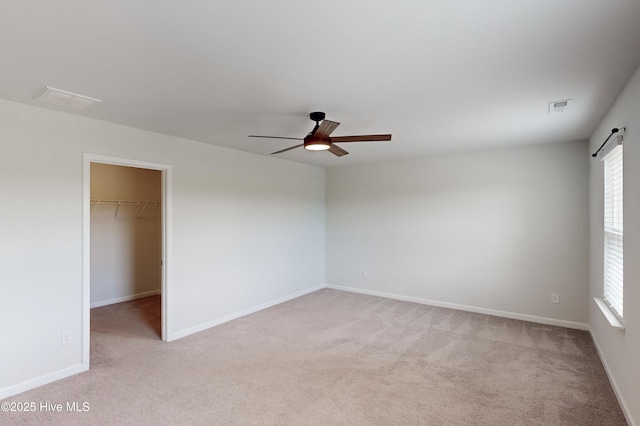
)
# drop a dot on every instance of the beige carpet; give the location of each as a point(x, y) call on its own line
point(333, 358)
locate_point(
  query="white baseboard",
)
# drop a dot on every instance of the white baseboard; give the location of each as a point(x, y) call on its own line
point(612, 380)
point(125, 298)
point(41, 381)
point(209, 324)
point(504, 314)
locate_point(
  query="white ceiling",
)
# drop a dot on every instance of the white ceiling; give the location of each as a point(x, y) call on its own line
point(441, 76)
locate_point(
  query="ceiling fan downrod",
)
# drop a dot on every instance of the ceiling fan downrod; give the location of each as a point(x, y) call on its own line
point(317, 117)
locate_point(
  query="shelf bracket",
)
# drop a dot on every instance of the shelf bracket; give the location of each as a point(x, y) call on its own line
point(142, 210)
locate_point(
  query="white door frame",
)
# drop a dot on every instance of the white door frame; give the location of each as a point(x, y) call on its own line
point(165, 169)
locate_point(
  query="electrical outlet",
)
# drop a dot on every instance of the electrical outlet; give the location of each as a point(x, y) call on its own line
point(364, 275)
point(555, 297)
point(66, 337)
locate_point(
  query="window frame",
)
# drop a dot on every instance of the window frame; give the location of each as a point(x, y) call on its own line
point(613, 229)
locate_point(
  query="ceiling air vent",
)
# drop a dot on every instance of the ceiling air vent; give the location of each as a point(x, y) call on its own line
point(558, 106)
point(62, 98)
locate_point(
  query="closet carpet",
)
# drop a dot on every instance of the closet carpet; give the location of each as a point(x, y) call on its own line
point(332, 358)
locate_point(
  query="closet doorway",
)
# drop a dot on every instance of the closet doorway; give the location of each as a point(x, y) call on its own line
point(125, 250)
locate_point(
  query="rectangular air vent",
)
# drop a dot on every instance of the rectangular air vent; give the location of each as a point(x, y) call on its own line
point(558, 106)
point(65, 99)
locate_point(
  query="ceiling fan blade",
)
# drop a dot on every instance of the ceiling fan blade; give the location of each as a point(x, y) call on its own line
point(325, 129)
point(274, 137)
point(287, 149)
point(336, 150)
point(361, 138)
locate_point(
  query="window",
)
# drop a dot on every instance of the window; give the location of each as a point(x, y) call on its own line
point(613, 243)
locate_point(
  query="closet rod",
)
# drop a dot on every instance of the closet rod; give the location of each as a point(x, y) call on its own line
point(149, 203)
point(119, 203)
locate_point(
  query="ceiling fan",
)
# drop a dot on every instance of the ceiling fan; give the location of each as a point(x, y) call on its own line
point(318, 139)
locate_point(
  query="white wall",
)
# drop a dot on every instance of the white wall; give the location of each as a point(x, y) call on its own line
point(247, 230)
point(496, 230)
point(126, 241)
point(619, 350)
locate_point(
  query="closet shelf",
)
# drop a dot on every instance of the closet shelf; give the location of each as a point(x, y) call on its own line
point(119, 203)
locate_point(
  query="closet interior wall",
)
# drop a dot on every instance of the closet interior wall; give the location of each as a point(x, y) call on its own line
point(126, 237)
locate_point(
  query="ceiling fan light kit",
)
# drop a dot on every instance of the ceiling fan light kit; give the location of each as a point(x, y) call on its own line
point(319, 140)
point(316, 145)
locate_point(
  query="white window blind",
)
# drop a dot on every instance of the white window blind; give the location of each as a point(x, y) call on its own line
point(613, 242)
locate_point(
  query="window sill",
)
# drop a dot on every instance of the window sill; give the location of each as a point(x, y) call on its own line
point(610, 316)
